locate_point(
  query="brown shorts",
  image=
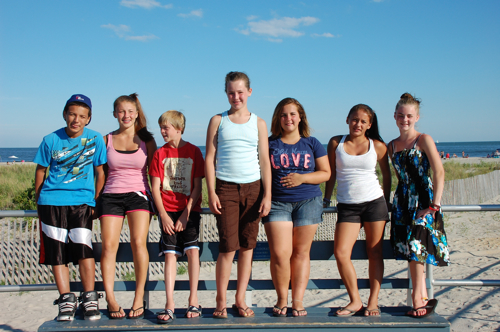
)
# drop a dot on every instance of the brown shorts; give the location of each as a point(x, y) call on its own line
point(238, 224)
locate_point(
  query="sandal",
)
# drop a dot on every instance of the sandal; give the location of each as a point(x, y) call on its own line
point(429, 309)
point(167, 312)
point(246, 313)
point(220, 314)
point(119, 312)
point(372, 312)
point(278, 312)
point(351, 312)
point(133, 311)
point(299, 313)
point(194, 310)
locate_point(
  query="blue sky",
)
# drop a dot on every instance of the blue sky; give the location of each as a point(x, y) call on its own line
point(330, 55)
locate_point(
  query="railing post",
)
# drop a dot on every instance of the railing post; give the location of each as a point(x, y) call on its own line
point(409, 300)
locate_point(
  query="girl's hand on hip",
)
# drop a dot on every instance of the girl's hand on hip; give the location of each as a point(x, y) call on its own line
point(292, 180)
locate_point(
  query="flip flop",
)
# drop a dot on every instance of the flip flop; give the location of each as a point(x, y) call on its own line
point(429, 307)
point(132, 310)
point(278, 312)
point(368, 312)
point(351, 312)
point(221, 314)
point(299, 313)
point(194, 310)
point(247, 315)
point(166, 312)
point(116, 312)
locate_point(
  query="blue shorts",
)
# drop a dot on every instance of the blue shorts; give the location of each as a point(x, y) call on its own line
point(302, 213)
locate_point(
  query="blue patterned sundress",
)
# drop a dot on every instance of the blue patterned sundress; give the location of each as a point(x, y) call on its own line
point(424, 239)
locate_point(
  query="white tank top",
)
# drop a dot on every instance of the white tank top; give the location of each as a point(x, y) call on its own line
point(356, 177)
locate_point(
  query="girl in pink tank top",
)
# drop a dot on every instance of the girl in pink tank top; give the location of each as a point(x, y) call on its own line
point(130, 150)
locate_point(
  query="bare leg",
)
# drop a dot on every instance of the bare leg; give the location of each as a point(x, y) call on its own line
point(416, 271)
point(87, 273)
point(301, 265)
point(194, 275)
point(245, 257)
point(280, 237)
point(170, 271)
point(61, 276)
point(110, 234)
point(222, 274)
point(345, 237)
point(374, 239)
point(138, 222)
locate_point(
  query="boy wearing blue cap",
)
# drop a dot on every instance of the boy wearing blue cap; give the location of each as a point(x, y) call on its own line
point(66, 198)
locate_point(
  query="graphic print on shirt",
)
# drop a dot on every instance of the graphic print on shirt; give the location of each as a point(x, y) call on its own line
point(289, 161)
point(177, 175)
point(72, 160)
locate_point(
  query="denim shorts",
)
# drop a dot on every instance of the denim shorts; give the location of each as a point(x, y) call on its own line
point(302, 213)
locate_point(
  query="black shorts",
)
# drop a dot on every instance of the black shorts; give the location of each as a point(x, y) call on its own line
point(178, 243)
point(375, 210)
point(118, 205)
point(66, 234)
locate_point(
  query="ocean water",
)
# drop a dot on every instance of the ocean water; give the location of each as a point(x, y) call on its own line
point(473, 149)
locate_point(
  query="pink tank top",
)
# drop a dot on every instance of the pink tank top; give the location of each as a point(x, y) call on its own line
point(126, 171)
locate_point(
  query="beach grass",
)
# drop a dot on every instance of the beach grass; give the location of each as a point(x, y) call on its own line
point(16, 180)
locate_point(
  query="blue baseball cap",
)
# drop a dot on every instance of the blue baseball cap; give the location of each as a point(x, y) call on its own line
point(81, 99)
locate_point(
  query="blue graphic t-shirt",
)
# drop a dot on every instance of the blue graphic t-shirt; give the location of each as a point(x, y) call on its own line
point(70, 179)
point(296, 158)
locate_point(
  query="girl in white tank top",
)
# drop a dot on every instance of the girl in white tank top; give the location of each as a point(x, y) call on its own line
point(361, 202)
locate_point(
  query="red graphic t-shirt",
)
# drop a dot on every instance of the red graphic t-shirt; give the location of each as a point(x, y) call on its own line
point(177, 169)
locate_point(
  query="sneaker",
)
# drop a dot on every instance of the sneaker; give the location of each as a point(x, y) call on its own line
point(90, 304)
point(67, 307)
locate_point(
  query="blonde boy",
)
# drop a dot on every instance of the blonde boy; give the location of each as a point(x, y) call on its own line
point(176, 172)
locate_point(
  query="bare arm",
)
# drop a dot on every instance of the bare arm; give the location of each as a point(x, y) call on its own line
point(99, 185)
point(330, 184)
point(320, 175)
point(39, 179)
point(166, 222)
point(265, 168)
point(211, 149)
point(383, 162)
point(151, 149)
point(426, 144)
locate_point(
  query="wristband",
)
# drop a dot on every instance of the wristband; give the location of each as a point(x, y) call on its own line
point(327, 201)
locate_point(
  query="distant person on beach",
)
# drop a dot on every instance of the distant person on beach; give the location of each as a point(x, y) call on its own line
point(176, 173)
point(441, 154)
point(447, 156)
point(361, 202)
point(417, 229)
point(299, 164)
point(463, 154)
point(126, 193)
point(238, 175)
point(455, 155)
point(66, 201)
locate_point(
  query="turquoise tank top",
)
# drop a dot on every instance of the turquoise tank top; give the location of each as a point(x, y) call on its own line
point(237, 150)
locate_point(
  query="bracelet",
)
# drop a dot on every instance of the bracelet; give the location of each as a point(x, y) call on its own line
point(327, 201)
point(433, 209)
point(436, 206)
